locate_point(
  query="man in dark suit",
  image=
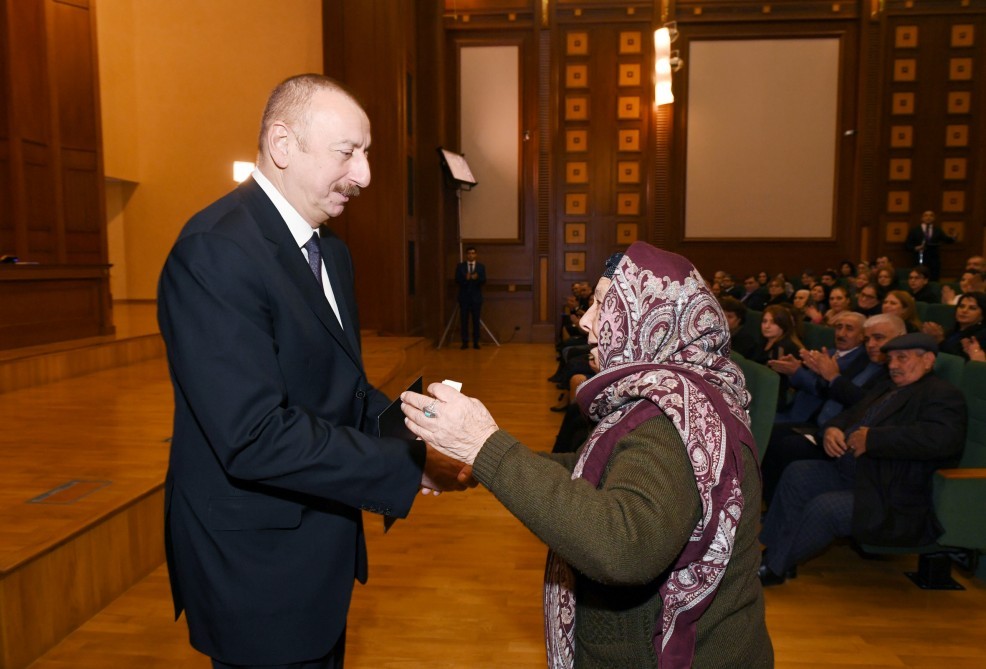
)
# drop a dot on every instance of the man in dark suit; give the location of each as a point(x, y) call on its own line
point(877, 485)
point(470, 275)
point(925, 240)
point(273, 457)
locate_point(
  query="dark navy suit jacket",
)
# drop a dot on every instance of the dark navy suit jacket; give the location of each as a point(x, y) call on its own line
point(270, 465)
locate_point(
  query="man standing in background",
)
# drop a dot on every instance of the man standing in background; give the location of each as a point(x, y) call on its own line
point(470, 275)
point(925, 240)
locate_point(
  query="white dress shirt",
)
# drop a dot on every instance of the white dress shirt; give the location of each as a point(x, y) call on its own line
point(299, 229)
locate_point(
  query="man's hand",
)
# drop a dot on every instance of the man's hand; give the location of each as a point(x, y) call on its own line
point(834, 442)
point(821, 363)
point(785, 364)
point(857, 441)
point(444, 474)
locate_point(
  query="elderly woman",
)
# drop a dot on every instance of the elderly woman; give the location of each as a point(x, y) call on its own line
point(652, 523)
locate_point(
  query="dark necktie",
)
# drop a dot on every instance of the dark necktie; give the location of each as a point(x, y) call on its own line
point(472, 268)
point(314, 257)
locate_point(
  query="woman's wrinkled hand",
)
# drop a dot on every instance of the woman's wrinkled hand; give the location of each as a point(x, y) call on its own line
point(449, 421)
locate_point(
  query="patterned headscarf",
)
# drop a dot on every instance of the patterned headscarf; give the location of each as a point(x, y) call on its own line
point(663, 349)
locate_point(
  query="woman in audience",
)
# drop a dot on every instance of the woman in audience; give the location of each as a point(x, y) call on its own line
point(838, 302)
point(780, 338)
point(900, 303)
point(968, 326)
point(868, 301)
point(820, 295)
point(886, 280)
point(652, 523)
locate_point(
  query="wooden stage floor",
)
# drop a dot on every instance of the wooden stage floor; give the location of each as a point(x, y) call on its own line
point(456, 585)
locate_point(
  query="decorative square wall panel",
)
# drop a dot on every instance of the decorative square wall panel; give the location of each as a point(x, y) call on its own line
point(628, 204)
point(576, 141)
point(626, 233)
point(628, 172)
point(630, 42)
point(898, 201)
point(900, 169)
point(955, 168)
point(906, 37)
point(576, 108)
point(629, 140)
point(959, 102)
point(896, 231)
point(905, 69)
point(576, 76)
point(901, 136)
point(963, 35)
point(628, 107)
point(902, 104)
point(956, 135)
point(577, 44)
point(575, 233)
point(629, 74)
point(960, 69)
point(575, 261)
point(953, 201)
point(576, 173)
point(576, 204)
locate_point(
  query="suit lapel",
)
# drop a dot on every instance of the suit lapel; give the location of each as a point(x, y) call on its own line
point(291, 260)
point(337, 266)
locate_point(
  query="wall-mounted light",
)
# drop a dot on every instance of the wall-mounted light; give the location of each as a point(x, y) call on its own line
point(662, 66)
point(241, 170)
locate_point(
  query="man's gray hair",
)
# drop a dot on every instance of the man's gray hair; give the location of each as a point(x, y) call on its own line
point(895, 322)
point(290, 102)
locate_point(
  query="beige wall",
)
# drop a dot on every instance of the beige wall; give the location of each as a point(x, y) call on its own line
point(183, 85)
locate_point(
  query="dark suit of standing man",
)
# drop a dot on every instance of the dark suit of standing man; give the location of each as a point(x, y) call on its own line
point(925, 240)
point(470, 275)
point(271, 460)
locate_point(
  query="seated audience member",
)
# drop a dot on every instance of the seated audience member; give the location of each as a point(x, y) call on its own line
point(820, 295)
point(741, 340)
point(775, 292)
point(762, 278)
point(900, 303)
point(729, 287)
point(569, 319)
point(883, 262)
point(788, 288)
point(886, 280)
point(971, 281)
point(919, 285)
point(977, 263)
point(842, 389)
point(876, 487)
point(779, 338)
point(754, 297)
point(968, 325)
point(838, 303)
point(808, 278)
point(846, 272)
point(830, 278)
point(811, 388)
point(803, 307)
point(861, 279)
point(868, 301)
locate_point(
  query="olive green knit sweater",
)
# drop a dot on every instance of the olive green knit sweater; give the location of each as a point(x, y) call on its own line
point(622, 537)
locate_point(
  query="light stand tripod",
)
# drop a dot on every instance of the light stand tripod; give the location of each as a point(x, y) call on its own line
point(455, 312)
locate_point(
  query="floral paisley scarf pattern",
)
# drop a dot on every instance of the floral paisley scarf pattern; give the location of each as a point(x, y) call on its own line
point(663, 349)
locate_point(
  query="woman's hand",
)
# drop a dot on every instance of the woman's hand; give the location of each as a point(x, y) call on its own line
point(972, 349)
point(449, 421)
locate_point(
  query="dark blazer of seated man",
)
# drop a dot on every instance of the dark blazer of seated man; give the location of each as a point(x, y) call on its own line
point(877, 486)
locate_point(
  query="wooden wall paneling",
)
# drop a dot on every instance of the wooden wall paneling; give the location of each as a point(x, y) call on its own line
point(7, 236)
point(40, 306)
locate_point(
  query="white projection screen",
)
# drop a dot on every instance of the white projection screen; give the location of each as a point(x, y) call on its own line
point(489, 122)
point(761, 138)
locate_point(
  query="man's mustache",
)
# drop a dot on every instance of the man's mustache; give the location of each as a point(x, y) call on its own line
point(350, 190)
